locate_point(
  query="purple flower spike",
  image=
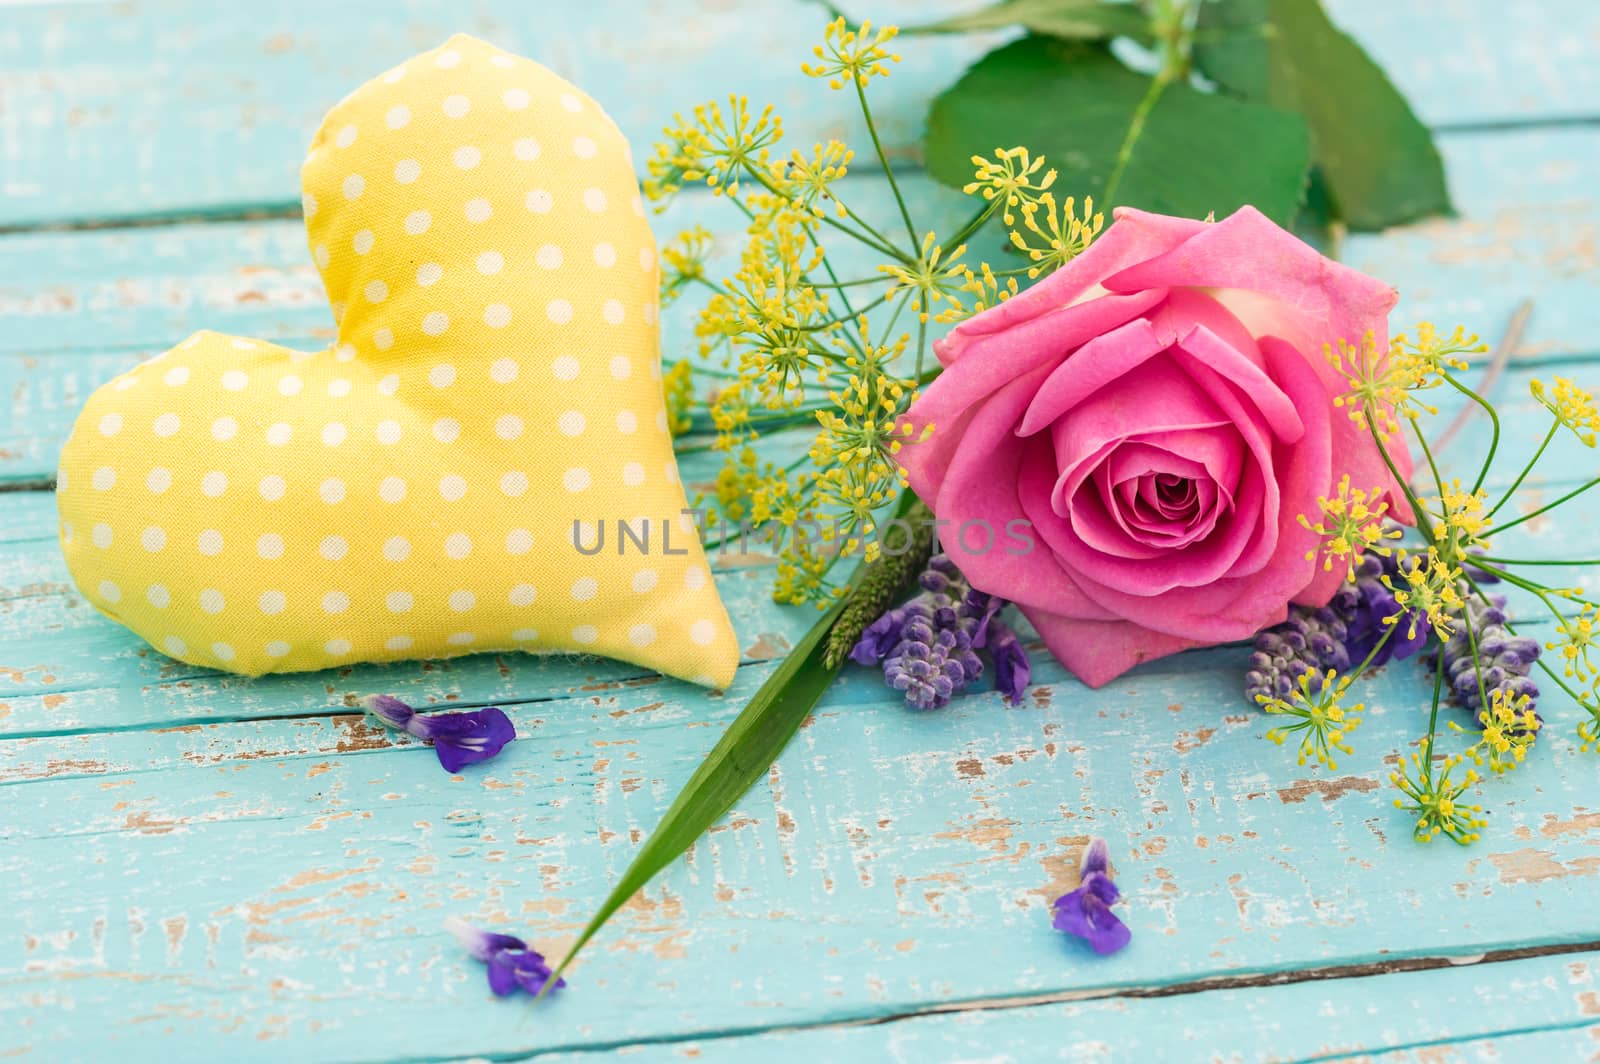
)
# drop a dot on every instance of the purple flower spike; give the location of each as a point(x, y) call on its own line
point(1086, 911)
point(928, 646)
point(1011, 669)
point(458, 739)
point(510, 963)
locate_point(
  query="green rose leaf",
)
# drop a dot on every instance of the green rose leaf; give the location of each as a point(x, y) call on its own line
point(1088, 20)
point(1119, 136)
point(1377, 160)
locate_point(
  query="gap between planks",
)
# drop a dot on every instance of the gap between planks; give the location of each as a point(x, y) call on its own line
point(289, 210)
point(1204, 984)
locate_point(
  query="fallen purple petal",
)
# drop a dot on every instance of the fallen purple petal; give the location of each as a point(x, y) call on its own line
point(509, 962)
point(1086, 911)
point(459, 739)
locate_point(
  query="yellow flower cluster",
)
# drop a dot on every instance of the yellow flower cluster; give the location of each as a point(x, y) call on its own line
point(852, 56)
point(798, 347)
point(1572, 406)
point(1435, 798)
point(1463, 522)
point(1429, 590)
point(1351, 524)
point(1321, 719)
point(1384, 383)
point(1510, 726)
point(679, 387)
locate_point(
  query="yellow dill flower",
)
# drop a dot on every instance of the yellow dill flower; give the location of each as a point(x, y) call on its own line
point(678, 160)
point(1350, 525)
point(737, 482)
point(679, 389)
point(852, 56)
point(716, 147)
point(1572, 406)
point(1463, 521)
point(933, 279)
point(1010, 178)
point(1589, 730)
point(1430, 591)
point(1377, 386)
point(1321, 719)
point(1435, 799)
point(1577, 643)
point(683, 259)
point(985, 289)
point(1510, 727)
point(730, 416)
point(1418, 363)
point(1065, 235)
point(854, 451)
point(808, 180)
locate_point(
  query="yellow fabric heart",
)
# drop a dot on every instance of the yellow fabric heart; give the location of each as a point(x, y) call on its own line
point(437, 480)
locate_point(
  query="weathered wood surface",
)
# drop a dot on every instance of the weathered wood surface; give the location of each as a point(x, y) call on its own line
point(202, 866)
point(1543, 1009)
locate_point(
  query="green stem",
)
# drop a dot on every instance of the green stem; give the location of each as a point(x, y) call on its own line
point(1538, 590)
point(883, 161)
point(888, 326)
point(1433, 717)
point(876, 243)
point(852, 284)
point(1424, 525)
point(1574, 493)
point(922, 344)
point(1511, 627)
point(848, 317)
point(1515, 484)
point(1477, 660)
point(968, 231)
point(1158, 85)
point(1494, 422)
point(1356, 672)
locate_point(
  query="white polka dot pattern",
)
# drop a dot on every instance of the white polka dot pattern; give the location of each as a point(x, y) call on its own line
point(412, 490)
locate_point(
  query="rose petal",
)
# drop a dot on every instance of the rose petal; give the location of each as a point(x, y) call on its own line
point(1133, 237)
point(1310, 292)
point(949, 403)
point(1238, 607)
point(1208, 349)
point(1105, 360)
point(1247, 250)
point(1097, 652)
point(981, 483)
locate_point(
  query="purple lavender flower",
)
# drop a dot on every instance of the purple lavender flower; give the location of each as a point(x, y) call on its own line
point(458, 738)
point(1086, 911)
point(511, 964)
point(1337, 636)
point(1506, 660)
point(928, 646)
point(1011, 669)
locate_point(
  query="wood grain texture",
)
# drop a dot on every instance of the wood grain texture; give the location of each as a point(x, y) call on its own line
point(81, 307)
point(195, 115)
point(199, 866)
point(1540, 1009)
point(199, 115)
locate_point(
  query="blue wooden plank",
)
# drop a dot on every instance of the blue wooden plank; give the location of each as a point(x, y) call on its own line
point(116, 110)
point(1538, 1009)
point(893, 862)
point(82, 306)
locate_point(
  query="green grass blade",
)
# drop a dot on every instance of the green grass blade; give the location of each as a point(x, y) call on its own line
point(743, 754)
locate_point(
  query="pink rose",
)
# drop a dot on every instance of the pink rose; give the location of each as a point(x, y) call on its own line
point(1160, 412)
